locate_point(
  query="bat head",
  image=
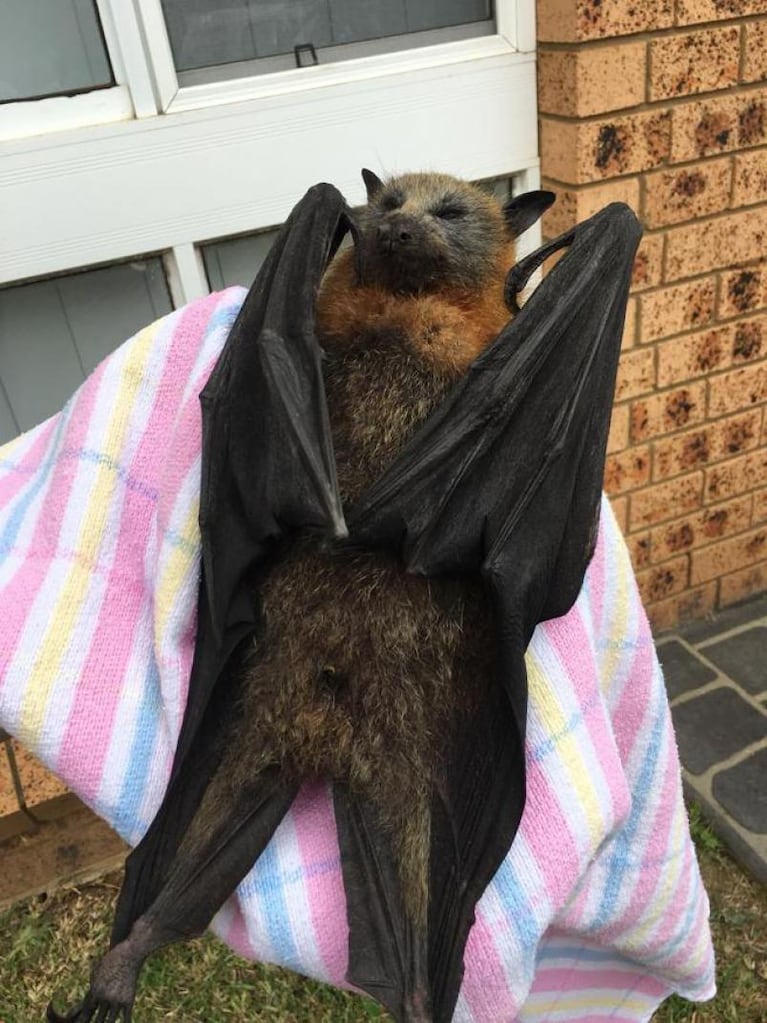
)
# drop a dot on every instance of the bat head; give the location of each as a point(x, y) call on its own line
point(432, 232)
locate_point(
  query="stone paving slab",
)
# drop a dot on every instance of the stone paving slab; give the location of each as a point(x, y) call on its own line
point(716, 676)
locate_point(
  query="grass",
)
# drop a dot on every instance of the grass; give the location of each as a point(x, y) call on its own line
point(48, 943)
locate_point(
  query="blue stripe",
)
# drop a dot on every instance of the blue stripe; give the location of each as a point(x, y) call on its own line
point(10, 533)
point(125, 816)
point(271, 895)
point(640, 791)
point(517, 908)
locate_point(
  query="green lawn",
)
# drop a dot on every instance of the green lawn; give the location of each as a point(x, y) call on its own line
point(46, 945)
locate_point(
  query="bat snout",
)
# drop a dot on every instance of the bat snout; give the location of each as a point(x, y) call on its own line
point(394, 235)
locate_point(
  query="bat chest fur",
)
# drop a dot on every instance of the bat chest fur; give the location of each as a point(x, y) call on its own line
point(362, 667)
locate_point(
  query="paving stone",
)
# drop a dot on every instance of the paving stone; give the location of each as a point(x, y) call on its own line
point(740, 614)
point(714, 726)
point(742, 791)
point(682, 670)
point(743, 657)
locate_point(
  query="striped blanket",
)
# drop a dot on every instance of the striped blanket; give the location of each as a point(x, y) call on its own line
point(597, 912)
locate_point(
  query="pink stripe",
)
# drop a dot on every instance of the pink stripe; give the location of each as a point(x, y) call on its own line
point(87, 734)
point(485, 987)
point(596, 576)
point(572, 641)
point(570, 979)
point(15, 479)
point(237, 933)
point(314, 822)
point(19, 594)
point(557, 862)
point(635, 701)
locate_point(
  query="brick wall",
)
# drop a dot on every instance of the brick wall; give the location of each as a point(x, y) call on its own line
point(663, 104)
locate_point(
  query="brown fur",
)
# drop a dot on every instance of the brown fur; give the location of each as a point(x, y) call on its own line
point(363, 671)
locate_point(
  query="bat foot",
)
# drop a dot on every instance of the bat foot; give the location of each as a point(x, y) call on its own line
point(92, 1010)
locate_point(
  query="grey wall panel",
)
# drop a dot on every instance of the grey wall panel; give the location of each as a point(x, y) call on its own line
point(237, 260)
point(8, 425)
point(105, 307)
point(53, 333)
point(49, 47)
point(39, 364)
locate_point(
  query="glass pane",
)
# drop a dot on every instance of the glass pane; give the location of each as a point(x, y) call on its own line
point(51, 47)
point(203, 34)
point(236, 260)
point(54, 332)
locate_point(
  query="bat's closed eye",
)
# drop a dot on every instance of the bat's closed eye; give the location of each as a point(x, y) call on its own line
point(451, 212)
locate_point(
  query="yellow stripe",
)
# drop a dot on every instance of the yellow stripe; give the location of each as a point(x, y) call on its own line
point(568, 747)
point(64, 615)
point(612, 652)
point(174, 571)
point(579, 1003)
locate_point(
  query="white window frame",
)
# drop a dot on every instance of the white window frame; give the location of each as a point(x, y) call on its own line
point(132, 95)
point(515, 32)
point(171, 168)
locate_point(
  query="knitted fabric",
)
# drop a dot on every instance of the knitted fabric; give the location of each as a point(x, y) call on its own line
point(597, 912)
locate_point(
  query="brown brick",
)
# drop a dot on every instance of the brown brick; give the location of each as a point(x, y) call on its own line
point(682, 194)
point(736, 476)
point(741, 388)
point(667, 412)
point(636, 373)
point(564, 21)
point(755, 50)
point(666, 501)
point(694, 355)
point(630, 325)
point(760, 506)
point(37, 782)
point(694, 62)
point(749, 341)
point(712, 442)
point(750, 182)
point(704, 527)
point(584, 82)
point(729, 555)
point(691, 12)
point(627, 470)
point(620, 507)
point(639, 546)
point(745, 583)
point(676, 309)
point(715, 244)
point(664, 580)
point(737, 120)
point(577, 152)
point(574, 205)
point(742, 291)
point(648, 265)
point(684, 607)
point(618, 437)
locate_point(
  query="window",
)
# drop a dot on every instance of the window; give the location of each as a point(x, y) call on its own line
point(51, 48)
point(249, 37)
point(53, 333)
point(185, 128)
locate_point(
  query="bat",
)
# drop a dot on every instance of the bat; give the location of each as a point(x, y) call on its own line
point(483, 522)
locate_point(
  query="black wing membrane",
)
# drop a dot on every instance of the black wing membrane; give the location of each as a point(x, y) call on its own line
point(267, 468)
point(504, 480)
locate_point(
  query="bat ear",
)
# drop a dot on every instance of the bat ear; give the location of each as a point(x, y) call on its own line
point(373, 183)
point(523, 210)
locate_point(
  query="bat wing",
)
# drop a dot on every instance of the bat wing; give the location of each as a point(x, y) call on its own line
point(503, 480)
point(267, 468)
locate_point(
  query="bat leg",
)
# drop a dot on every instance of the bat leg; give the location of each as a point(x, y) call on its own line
point(224, 839)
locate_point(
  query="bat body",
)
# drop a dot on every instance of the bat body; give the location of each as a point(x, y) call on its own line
point(361, 642)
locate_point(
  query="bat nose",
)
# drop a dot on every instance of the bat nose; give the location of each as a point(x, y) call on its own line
point(393, 236)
